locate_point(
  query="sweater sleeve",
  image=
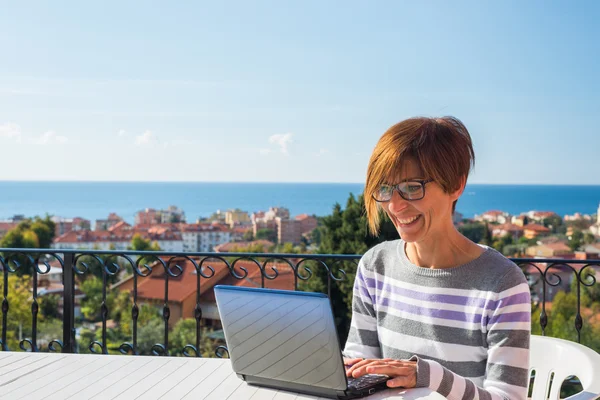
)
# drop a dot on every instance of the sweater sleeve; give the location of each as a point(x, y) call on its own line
point(362, 338)
point(508, 325)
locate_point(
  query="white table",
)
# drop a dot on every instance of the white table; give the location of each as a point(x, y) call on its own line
point(80, 376)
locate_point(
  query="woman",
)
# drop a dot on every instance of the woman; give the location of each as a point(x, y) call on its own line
point(433, 309)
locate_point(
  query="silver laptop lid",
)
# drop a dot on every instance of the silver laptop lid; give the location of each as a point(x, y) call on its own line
point(281, 335)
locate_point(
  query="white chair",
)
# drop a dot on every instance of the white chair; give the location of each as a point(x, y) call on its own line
point(563, 358)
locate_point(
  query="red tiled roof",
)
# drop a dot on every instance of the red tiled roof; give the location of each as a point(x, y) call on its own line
point(110, 236)
point(544, 213)
point(230, 246)
point(536, 228)
point(181, 287)
point(185, 285)
point(121, 225)
point(241, 229)
point(6, 226)
point(508, 227)
point(557, 246)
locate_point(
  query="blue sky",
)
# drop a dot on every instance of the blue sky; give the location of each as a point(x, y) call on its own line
point(293, 92)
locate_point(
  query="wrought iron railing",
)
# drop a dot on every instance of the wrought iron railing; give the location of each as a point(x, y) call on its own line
point(207, 269)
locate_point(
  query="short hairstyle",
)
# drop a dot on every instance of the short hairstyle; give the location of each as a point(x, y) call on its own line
point(441, 146)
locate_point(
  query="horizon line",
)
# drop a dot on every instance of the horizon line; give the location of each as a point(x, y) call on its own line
point(276, 182)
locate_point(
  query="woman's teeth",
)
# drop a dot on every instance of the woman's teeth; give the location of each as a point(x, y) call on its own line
point(408, 221)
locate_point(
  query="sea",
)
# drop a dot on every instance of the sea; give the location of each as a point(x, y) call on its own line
point(95, 200)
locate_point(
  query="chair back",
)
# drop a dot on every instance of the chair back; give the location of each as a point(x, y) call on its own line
point(563, 358)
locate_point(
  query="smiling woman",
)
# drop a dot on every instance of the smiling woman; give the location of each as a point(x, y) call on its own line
point(434, 309)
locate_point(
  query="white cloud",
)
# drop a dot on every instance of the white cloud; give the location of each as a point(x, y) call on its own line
point(145, 138)
point(11, 131)
point(122, 132)
point(321, 152)
point(282, 140)
point(48, 138)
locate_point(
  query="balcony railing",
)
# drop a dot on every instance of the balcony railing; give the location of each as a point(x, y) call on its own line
point(129, 270)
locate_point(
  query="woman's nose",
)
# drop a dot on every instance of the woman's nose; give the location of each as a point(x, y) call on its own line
point(396, 203)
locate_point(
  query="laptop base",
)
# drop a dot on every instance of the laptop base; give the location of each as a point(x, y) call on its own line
point(313, 390)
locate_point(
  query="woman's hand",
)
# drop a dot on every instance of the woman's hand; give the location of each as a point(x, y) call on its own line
point(402, 373)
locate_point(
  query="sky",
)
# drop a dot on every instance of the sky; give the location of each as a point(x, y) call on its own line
point(272, 91)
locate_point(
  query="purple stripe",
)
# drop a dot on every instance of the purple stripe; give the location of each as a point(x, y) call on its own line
point(511, 317)
point(438, 298)
point(359, 275)
point(429, 312)
point(364, 293)
point(359, 284)
point(519, 298)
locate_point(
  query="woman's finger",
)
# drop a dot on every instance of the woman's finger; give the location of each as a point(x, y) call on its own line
point(401, 381)
point(359, 366)
point(352, 361)
point(389, 370)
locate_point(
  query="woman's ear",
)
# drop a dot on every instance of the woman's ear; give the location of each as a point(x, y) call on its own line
point(457, 193)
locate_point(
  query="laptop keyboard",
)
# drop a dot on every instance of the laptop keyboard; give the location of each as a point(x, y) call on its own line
point(366, 381)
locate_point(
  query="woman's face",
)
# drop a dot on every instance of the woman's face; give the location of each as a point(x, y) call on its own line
point(418, 220)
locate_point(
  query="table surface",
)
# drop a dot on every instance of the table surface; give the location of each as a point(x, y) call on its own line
point(84, 376)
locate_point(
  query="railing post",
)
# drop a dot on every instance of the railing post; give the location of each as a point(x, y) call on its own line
point(3, 344)
point(69, 304)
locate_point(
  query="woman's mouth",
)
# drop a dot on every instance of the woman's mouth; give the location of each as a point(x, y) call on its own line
point(406, 222)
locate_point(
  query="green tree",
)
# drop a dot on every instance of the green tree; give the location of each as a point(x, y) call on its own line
point(149, 334)
point(501, 243)
point(555, 223)
point(16, 238)
point(266, 234)
point(138, 243)
point(589, 238)
point(184, 333)
point(49, 329)
point(121, 304)
point(38, 233)
point(248, 235)
point(561, 317)
point(175, 219)
point(580, 224)
point(19, 309)
point(315, 235)
point(475, 231)
point(91, 303)
point(49, 305)
point(576, 240)
point(526, 241)
point(345, 231)
point(514, 250)
point(44, 230)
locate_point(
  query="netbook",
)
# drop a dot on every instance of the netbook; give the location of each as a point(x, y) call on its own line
point(287, 340)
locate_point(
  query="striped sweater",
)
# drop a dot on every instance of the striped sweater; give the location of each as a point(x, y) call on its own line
point(467, 327)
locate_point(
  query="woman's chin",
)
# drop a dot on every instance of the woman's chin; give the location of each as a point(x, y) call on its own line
point(411, 232)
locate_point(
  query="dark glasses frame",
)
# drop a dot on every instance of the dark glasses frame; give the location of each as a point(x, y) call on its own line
point(422, 182)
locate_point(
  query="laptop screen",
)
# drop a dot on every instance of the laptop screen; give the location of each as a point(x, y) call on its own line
point(281, 335)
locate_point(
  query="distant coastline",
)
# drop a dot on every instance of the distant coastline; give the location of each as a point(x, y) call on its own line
point(95, 200)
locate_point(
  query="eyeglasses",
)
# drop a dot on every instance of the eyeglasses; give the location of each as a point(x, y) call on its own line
point(410, 190)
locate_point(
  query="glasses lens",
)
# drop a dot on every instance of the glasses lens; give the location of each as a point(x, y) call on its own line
point(411, 190)
point(384, 193)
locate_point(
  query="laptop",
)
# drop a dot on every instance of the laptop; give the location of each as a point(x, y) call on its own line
point(287, 340)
